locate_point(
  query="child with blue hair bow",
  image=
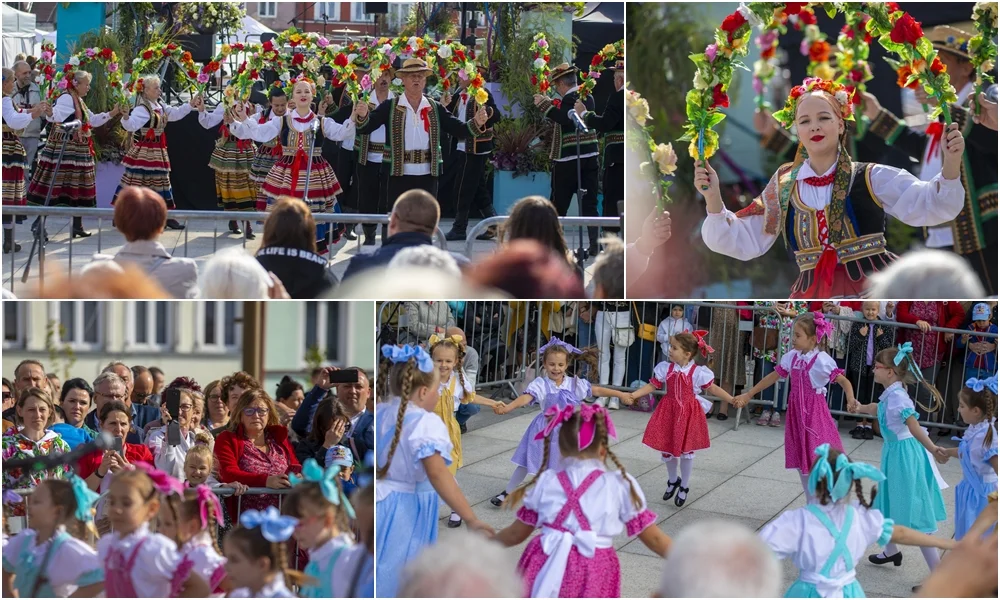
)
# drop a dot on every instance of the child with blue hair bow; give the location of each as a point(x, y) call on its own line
point(827, 538)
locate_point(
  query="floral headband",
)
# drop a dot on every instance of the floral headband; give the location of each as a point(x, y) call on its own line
point(588, 426)
point(838, 93)
point(555, 342)
point(400, 354)
point(273, 526)
point(845, 470)
point(978, 385)
point(327, 480)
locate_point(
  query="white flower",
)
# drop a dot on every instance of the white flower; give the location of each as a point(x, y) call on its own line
point(639, 109)
point(812, 33)
point(74, 61)
point(313, 64)
point(444, 52)
point(763, 69)
point(539, 63)
point(386, 48)
point(666, 158)
point(700, 83)
point(988, 66)
point(350, 58)
point(40, 79)
point(412, 42)
point(749, 15)
point(335, 47)
point(841, 97)
point(285, 76)
point(397, 81)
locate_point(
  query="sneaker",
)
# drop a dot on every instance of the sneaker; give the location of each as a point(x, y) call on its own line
point(765, 417)
point(602, 402)
point(775, 419)
point(614, 404)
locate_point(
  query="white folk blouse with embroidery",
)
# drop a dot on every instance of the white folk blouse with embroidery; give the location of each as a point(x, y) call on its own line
point(63, 109)
point(140, 115)
point(414, 136)
point(14, 118)
point(265, 132)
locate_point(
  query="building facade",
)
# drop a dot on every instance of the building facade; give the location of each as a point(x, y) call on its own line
point(329, 18)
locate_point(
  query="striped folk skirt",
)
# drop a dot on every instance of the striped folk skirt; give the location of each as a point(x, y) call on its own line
point(14, 164)
point(147, 165)
point(323, 191)
point(231, 160)
point(74, 184)
point(263, 160)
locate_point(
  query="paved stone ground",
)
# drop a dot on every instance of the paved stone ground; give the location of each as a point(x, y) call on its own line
point(201, 240)
point(741, 478)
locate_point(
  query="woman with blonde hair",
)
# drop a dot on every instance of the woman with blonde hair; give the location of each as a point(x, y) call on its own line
point(14, 154)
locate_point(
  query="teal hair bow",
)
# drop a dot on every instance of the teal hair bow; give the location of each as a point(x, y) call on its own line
point(903, 351)
point(845, 472)
point(398, 354)
point(85, 498)
point(273, 526)
point(327, 480)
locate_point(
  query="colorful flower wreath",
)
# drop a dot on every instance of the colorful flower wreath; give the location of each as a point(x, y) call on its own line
point(837, 91)
point(152, 57)
point(853, 46)
point(540, 63)
point(104, 56)
point(660, 162)
point(46, 68)
point(983, 46)
point(610, 52)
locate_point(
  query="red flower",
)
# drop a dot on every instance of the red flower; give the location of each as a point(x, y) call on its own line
point(767, 53)
point(903, 74)
point(267, 46)
point(384, 68)
point(848, 31)
point(165, 52)
point(596, 61)
point(719, 97)
point(446, 84)
point(543, 86)
point(852, 94)
point(547, 57)
point(192, 74)
point(906, 30)
point(298, 59)
point(534, 80)
point(253, 74)
point(891, 7)
point(807, 17)
point(797, 92)
point(733, 22)
point(938, 67)
point(537, 55)
point(477, 81)
point(794, 8)
point(340, 60)
point(67, 68)
point(857, 75)
point(441, 70)
point(557, 103)
point(461, 55)
point(819, 51)
point(106, 53)
point(171, 46)
point(148, 54)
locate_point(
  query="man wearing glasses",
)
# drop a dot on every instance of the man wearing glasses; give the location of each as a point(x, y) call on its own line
point(110, 387)
point(143, 386)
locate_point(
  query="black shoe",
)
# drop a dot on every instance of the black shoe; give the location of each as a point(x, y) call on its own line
point(175, 225)
point(369, 241)
point(857, 429)
point(593, 250)
point(463, 428)
point(722, 416)
point(20, 219)
point(350, 235)
point(8, 245)
point(453, 524)
point(679, 500)
point(235, 228)
point(869, 434)
point(79, 233)
point(671, 488)
point(498, 499)
point(455, 235)
point(250, 235)
point(876, 559)
point(489, 234)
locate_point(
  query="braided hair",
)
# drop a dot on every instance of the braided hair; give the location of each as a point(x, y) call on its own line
point(187, 508)
point(986, 401)
point(907, 372)
point(61, 493)
point(404, 378)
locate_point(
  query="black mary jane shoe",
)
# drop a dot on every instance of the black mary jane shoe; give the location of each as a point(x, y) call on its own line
point(453, 524)
point(80, 233)
point(498, 499)
point(679, 501)
point(175, 225)
point(349, 235)
point(877, 559)
point(671, 489)
point(721, 416)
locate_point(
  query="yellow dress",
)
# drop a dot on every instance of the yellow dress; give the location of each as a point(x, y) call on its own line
point(445, 408)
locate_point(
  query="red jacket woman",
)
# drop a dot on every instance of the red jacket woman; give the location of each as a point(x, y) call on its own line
point(929, 348)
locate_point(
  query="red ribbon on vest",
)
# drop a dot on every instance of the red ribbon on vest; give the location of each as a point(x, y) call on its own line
point(423, 117)
point(826, 267)
point(277, 150)
point(935, 131)
point(151, 135)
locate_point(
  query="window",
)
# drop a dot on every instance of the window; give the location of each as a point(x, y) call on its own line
point(267, 10)
point(325, 331)
point(475, 18)
point(399, 12)
point(219, 327)
point(358, 13)
point(13, 324)
point(80, 325)
point(149, 326)
point(330, 9)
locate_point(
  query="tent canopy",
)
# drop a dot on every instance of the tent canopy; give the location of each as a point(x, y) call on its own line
point(16, 21)
point(250, 32)
point(18, 33)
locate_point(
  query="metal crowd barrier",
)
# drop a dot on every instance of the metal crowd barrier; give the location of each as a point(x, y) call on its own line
point(185, 216)
point(508, 339)
point(568, 223)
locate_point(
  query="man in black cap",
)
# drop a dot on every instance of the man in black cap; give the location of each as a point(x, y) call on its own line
point(563, 150)
point(611, 124)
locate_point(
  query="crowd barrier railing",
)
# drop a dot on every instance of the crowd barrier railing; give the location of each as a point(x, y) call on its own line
point(568, 224)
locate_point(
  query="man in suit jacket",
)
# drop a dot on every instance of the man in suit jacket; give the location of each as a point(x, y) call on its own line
point(611, 124)
point(353, 398)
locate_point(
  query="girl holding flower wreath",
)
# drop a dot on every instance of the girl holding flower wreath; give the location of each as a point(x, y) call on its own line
point(830, 210)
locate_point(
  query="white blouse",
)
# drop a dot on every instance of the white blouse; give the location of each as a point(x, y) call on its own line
point(378, 136)
point(67, 566)
point(424, 434)
point(542, 386)
point(155, 564)
point(167, 458)
point(351, 559)
point(898, 408)
point(414, 136)
point(325, 553)
point(275, 589)
point(209, 120)
point(701, 377)
point(14, 118)
point(607, 505)
point(824, 371)
point(799, 535)
point(63, 109)
point(140, 115)
point(207, 561)
point(903, 196)
point(460, 391)
point(265, 132)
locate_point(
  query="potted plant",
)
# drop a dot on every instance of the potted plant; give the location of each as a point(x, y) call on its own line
point(520, 162)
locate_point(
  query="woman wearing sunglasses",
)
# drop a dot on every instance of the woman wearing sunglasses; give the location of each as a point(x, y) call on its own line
point(255, 451)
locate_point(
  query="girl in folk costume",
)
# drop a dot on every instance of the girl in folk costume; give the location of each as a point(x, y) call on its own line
point(191, 518)
point(678, 426)
point(146, 162)
point(14, 155)
point(296, 131)
point(231, 160)
point(51, 560)
point(74, 183)
point(825, 539)
point(414, 451)
point(580, 506)
point(324, 517)
point(454, 390)
point(137, 562)
point(269, 151)
point(256, 557)
point(554, 389)
point(809, 422)
point(977, 451)
point(830, 210)
point(911, 494)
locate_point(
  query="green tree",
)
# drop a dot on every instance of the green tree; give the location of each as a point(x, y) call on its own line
point(61, 356)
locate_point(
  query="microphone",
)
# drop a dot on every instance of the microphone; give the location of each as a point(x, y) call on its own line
point(74, 124)
point(577, 121)
point(103, 441)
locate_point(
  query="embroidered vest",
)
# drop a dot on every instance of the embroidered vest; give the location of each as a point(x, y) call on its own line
point(564, 137)
point(364, 145)
point(394, 140)
point(291, 140)
point(157, 121)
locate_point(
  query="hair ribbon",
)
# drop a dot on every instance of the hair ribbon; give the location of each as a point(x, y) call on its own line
point(401, 354)
point(978, 385)
point(273, 525)
point(846, 473)
point(824, 328)
point(327, 481)
point(588, 425)
point(556, 416)
point(555, 342)
point(85, 498)
point(207, 498)
point(165, 484)
point(702, 344)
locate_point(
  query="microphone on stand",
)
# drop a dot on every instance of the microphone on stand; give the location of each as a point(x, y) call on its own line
point(74, 124)
point(577, 121)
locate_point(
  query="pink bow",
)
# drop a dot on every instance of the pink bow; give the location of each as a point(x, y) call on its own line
point(165, 484)
point(824, 328)
point(206, 498)
point(588, 425)
point(556, 416)
point(702, 344)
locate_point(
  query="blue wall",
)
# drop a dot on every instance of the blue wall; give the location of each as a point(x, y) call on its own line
point(75, 19)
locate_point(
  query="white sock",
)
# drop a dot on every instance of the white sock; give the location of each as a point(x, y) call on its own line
point(805, 487)
point(454, 516)
point(515, 480)
point(932, 557)
point(671, 469)
point(686, 465)
point(889, 550)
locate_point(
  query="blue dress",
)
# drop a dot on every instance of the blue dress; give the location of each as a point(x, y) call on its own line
point(544, 391)
point(911, 494)
point(978, 476)
point(406, 504)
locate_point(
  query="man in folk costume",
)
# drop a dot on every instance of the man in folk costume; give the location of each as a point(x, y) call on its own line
point(371, 178)
point(464, 178)
point(415, 125)
point(611, 124)
point(973, 233)
point(563, 151)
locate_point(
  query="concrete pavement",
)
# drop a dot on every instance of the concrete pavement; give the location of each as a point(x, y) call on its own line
point(741, 478)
